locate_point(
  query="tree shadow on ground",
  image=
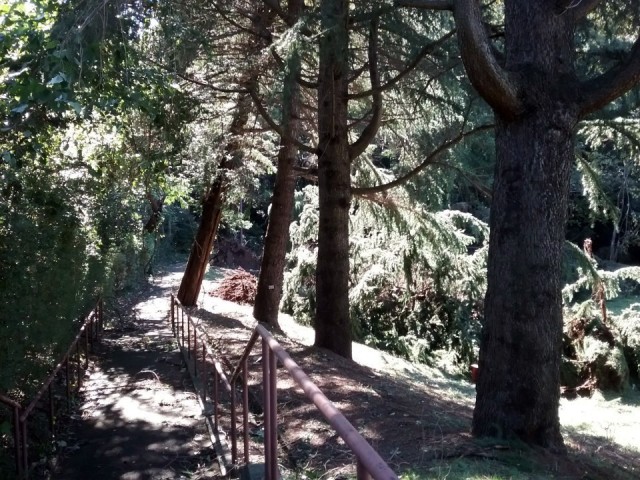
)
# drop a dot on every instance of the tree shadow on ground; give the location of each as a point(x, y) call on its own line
point(139, 418)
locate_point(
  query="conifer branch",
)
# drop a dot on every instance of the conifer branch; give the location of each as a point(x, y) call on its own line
point(578, 9)
point(429, 160)
point(197, 81)
point(276, 127)
point(275, 6)
point(495, 84)
point(410, 66)
point(356, 149)
point(426, 4)
point(600, 91)
point(304, 83)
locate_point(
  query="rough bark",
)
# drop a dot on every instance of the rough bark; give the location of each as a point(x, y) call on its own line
point(156, 205)
point(212, 208)
point(213, 203)
point(332, 322)
point(269, 290)
point(537, 99)
point(202, 245)
point(518, 388)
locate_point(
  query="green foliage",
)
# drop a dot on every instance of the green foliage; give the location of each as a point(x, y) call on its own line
point(416, 281)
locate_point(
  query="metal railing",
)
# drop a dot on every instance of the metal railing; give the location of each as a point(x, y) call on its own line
point(201, 358)
point(69, 367)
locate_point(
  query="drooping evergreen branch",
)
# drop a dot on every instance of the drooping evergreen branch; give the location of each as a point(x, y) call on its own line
point(275, 126)
point(275, 6)
point(239, 26)
point(427, 4)
point(302, 81)
point(577, 8)
point(356, 149)
point(596, 93)
point(430, 159)
point(408, 69)
point(495, 84)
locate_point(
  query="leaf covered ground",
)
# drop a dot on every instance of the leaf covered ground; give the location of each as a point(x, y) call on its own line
point(417, 417)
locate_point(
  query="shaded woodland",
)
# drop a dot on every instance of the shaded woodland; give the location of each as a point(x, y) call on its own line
point(440, 179)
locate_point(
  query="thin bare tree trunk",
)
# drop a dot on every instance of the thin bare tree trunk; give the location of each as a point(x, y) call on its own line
point(269, 291)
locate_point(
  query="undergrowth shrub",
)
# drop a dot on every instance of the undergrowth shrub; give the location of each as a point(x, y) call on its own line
point(601, 328)
point(417, 278)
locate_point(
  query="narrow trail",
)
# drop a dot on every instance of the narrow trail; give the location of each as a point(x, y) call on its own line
point(138, 418)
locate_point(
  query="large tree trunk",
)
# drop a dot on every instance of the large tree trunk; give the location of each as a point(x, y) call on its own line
point(520, 348)
point(518, 389)
point(212, 207)
point(269, 291)
point(202, 245)
point(537, 98)
point(332, 322)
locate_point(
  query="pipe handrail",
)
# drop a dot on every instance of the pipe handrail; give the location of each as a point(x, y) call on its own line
point(9, 402)
point(21, 416)
point(376, 466)
point(369, 462)
point(55, 371)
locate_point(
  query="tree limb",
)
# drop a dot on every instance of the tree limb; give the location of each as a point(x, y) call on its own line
point(426, 4)
point(576, 8)
point(430, 159)
point(299, 78)
point(278, 128)
point(356, 149)
point(275, 6)
point(410, 66)
point(496, 85)
point(600, 91)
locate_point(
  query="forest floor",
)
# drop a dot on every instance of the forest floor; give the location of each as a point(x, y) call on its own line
point(137, 417)
point(417, 417)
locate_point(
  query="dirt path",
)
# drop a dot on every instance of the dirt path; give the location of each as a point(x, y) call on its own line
point(139, 418)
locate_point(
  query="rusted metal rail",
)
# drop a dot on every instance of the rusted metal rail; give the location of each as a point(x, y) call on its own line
point(369, 464)
point(69, 368)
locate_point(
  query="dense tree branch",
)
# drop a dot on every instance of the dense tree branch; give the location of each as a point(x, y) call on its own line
point(274, 125)
point(600, 91)
point(429, 160)
point(577, 8)
point(496, 85)
point(299, 78)
point(410, 66)
point(275, 6)
point(371, 129)
point(427, 4)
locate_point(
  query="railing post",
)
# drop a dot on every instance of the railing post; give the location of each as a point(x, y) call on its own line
point(182, 325)
point(188, 336)
point(86, 346)
point(195, 352)
point(17, 440)
point(266, 393)
point(25, 449)
point(361, 472)
point(205, 378)
point(216, 396)
point(79, 384)
point(273, 412)
point(234, 430)
point(173, 325)
point(245, 408)
point(67, 381)
point(51, 411)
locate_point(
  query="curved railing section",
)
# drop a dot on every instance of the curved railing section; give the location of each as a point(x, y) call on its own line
point(71, 369)
point(201, 359)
